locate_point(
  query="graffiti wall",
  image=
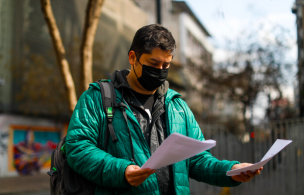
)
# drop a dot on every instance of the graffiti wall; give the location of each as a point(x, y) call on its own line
point(3, 143)
point(26, 144)
point(30, 148)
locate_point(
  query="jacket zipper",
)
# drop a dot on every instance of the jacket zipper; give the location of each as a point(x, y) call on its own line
point(152, 122)
point(150, 126)
point(168, 133)
point(145, 141)
point(157, 110)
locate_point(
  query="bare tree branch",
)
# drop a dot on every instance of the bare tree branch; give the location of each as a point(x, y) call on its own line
point(93, 12)
point(60, 53)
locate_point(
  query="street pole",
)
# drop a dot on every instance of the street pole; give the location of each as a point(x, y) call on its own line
point(298, 10)
point(158, 11)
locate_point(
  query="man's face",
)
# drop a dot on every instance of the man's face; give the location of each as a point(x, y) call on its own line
point(159, 58)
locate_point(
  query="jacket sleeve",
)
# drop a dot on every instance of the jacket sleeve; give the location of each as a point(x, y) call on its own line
point(204, 167)
point(83, 154)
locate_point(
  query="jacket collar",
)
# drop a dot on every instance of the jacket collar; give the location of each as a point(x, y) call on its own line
point(170, 95)
point(120, 82)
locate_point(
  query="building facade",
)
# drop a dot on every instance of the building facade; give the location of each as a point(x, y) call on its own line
point(194, 52)
point(33, 111)
point(33, 107)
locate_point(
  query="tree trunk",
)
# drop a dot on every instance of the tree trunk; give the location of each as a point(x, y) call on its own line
point(93, 12)
point(244, 110)
point(60, 53)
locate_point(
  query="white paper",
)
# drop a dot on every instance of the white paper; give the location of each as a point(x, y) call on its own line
point(278, 145)
point(176, 148)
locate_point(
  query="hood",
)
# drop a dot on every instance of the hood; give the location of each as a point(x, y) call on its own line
point(120, 82)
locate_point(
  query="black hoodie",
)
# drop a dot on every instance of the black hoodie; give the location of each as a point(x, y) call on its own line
point(155, 132)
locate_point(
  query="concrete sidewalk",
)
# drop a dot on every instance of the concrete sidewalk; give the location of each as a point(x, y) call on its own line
point(26, 185)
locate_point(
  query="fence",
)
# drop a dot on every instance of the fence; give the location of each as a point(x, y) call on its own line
point(283, 175)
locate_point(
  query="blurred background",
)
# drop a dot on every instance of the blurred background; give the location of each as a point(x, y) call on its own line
point(239, 66)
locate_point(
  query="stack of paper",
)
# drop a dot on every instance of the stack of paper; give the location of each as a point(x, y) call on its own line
point(275, 148)
point(176, 148)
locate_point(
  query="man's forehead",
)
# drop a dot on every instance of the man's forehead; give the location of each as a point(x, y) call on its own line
point(159, 55)
point(168, 60)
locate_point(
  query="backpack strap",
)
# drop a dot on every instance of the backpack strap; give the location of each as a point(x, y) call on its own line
point(52, 169)
point(124, 106)
point(109, 104)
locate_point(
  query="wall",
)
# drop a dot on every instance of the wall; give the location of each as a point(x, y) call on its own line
point(173, 25)
point(117, 36)
point(119, 21)
point(5, 54)
point(32, 95)
point(34, 66)
point(149, 8)
point(22, 122)
point(282, 175)
point(187, 24)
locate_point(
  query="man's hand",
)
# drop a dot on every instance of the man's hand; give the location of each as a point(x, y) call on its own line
point(245, 177)
point(136, 176)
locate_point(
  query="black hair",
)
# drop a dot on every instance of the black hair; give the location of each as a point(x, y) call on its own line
point(150, 37)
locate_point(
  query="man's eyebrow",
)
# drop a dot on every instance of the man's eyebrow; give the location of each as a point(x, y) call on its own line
point(155, 60)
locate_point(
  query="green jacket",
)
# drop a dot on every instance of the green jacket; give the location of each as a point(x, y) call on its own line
point(107, 170)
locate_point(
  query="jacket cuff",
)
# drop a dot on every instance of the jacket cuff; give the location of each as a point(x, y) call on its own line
point(123, 183)
point(232, 182)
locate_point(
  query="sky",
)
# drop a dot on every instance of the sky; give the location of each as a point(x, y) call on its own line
point(226, 19)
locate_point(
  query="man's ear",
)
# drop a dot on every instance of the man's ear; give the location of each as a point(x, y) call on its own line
point(132, 57)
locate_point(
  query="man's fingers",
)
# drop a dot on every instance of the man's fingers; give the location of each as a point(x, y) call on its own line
point(250, 174)
point(141, 172)
point(245, 177)
point(137, 180)
point(136, 171)
point(143, 177)
point(257, 172)
point(246, 164)
point(135, 167)
point(135, 175)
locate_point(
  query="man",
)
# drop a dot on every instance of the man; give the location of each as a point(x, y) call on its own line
point(153, 112)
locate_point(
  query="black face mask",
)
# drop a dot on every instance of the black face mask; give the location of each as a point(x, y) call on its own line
point(151, 78)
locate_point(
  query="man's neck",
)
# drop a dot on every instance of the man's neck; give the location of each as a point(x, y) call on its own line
point(135, 85)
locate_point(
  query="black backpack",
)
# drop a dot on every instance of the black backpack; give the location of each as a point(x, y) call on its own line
point(64, 180)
